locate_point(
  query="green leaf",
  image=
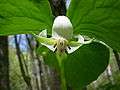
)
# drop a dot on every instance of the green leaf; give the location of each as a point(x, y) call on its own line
point(24, 16)
point(97, 18)
point(85, 64)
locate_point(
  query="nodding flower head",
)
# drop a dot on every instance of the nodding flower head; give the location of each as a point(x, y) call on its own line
point(62, 33)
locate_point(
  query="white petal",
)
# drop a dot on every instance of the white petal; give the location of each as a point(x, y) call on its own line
point(51, 47)
point(43, 33)
point(75, 48)
point(62, 27)
point(72, 49)
point(80, 40)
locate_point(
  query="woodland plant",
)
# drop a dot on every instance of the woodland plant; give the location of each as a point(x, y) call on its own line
point(79, 61)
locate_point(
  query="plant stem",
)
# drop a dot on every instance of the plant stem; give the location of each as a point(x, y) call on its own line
point(63, 81)
point(62, 75)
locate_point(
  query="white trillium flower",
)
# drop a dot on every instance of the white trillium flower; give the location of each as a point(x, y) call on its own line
point(62, 33)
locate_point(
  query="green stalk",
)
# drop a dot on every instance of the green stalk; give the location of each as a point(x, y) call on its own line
point(63, 81)
point(60, 59)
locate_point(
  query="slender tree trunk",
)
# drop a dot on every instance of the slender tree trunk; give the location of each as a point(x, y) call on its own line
point(58, 7)
point(37, 82)
point(26, 78)
point(4, 64)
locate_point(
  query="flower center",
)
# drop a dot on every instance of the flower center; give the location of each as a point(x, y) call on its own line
point(61, 45)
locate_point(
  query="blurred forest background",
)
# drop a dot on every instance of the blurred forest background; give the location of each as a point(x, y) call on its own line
point(28, 71)
point(22, 66)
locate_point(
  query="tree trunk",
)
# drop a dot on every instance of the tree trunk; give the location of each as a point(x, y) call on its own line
point(26, 77)
point(58, 7)
point(4, 64)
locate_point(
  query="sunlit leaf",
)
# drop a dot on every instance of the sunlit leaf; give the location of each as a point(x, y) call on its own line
point(97, 18)
point(24, 16)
